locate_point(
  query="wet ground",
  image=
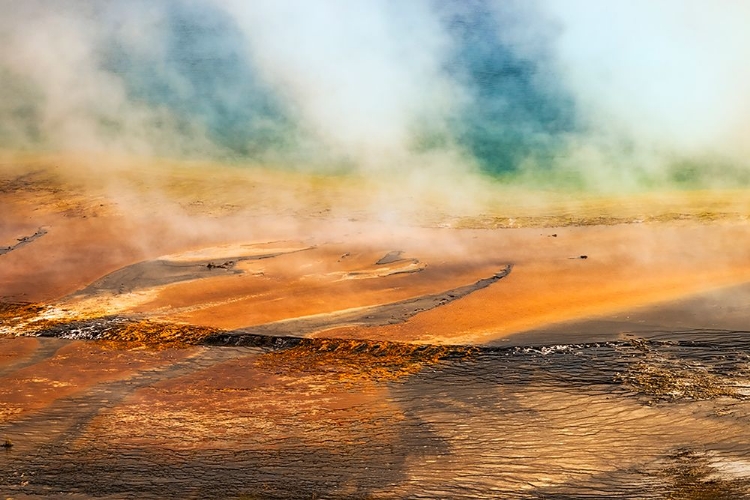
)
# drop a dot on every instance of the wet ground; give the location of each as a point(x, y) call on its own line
point(632, 418)
point(176, 340)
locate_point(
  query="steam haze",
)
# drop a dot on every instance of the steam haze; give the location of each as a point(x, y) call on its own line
point(575, 92)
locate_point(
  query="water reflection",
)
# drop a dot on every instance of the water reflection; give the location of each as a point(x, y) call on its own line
point(665, 417)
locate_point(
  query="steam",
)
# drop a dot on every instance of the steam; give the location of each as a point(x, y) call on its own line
point(665, 80)
point(442, 94)
point(56, 94)
point(362, 75)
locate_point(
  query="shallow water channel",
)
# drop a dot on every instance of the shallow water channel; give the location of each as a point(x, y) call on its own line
point(665, 417)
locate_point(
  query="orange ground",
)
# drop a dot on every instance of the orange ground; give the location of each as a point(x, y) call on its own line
point(380, 419)
point(95, 228)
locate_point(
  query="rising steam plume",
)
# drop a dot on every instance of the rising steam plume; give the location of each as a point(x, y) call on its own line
point(594, 94)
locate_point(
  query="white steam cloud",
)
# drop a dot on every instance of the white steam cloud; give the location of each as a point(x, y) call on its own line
point(363, 75)
point(376, 83)
point(669, 75)
point(55, 92)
